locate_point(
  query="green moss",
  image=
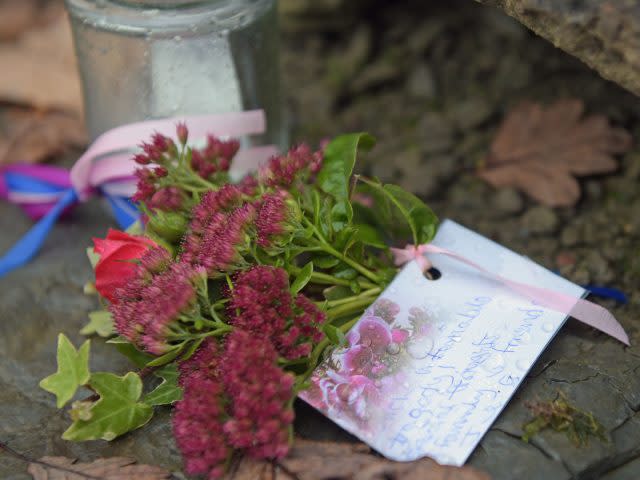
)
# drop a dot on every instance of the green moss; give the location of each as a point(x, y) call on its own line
point(561, 416)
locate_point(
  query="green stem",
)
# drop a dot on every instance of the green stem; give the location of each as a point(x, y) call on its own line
point(353, 307)
point(332, 251)
point(367, 293)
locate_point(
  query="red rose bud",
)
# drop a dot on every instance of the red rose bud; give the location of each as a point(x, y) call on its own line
point(116, 266)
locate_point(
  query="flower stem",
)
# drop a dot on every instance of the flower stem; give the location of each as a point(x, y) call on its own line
point(332, 251)
point(356, 306)
point(341, 301)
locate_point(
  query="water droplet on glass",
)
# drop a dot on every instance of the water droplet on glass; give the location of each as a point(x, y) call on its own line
point(548, 327)
point(393, 349)
point(177, 38)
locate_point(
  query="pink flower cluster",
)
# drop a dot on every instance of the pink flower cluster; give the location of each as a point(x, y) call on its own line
point(198, 418)
point(261, 394)
point(153, 299)
point(235, 399)
point(273, 219)
point(215, 157)
point(300, 163)
point(218, 231)
point(261, 303)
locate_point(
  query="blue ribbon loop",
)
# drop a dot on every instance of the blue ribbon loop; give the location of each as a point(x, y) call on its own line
point(123, 209)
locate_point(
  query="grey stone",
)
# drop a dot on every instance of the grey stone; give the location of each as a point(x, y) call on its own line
point(436, 133)
point(420, 83)
point(604, 35)
point(382, 71)
point(507, 201)
point(470, 113)
point(570, 235)
point(540, 220)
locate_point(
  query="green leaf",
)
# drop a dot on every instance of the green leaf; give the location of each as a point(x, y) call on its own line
point(73, 371)
point(336, 292)
point(116, 412)
point(346, 273)
point(168, 391)
point(302, 279)
point(418, 216)
point(334, 335)
point(100, 323)
point(94, 258)
point(335, 175)
point(368, 235)
point(325, 261)
point(167, 357)
point(138, 358)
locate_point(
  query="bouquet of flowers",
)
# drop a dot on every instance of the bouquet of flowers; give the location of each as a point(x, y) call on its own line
point(227, 295)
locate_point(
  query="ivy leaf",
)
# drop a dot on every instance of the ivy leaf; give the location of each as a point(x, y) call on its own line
point(419, 217)
point(100, 323)
point(116, 412)
point(302, 279)
point(335, 175)
point(168, 391)
point(73, 371)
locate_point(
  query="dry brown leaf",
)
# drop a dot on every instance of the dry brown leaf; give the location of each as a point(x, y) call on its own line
point(115, 468)
point(31, 136)
point(540, 149)
point(16, 16)
point(39, 70)
point(312, 460)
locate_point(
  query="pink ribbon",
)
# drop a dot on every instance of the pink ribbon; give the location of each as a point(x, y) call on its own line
point(585, 311)
point(109, 158)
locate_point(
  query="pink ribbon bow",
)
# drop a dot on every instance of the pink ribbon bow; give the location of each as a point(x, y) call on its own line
point(583, 310)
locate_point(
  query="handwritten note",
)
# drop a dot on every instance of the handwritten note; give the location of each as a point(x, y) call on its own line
point(432, 363)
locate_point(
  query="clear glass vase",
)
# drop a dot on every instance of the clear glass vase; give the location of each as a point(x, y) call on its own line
point(144, 59)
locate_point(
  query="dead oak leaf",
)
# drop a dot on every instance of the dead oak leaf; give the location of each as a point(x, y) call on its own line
point(540, 150)
point(39, 69)
point(313, 460)
point(31, 136)
point(115, 468)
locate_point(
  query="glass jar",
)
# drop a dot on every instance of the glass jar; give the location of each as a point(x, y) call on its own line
point(145, 59)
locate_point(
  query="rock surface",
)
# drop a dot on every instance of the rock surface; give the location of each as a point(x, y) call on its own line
point(603, 34)
point(481, 62)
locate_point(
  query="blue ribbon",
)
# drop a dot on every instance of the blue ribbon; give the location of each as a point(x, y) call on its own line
point(123, 209)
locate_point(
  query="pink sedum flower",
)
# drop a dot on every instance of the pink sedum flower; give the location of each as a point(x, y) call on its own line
point(260, 395)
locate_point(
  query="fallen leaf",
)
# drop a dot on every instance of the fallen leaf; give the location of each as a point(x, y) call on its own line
point(39, 69)
point(16, 16)
point(30, 136)
point(115, 468)
point(313, 460)
point(540, 149)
